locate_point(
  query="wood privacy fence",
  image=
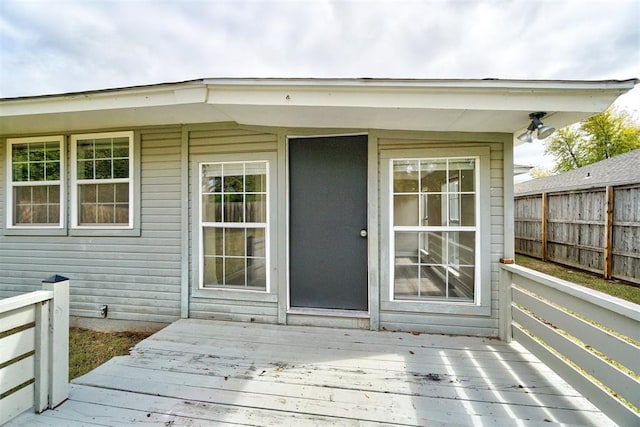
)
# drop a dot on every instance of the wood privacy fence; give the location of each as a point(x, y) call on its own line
point(540, 313)
point(596, 229)
point(34, 349)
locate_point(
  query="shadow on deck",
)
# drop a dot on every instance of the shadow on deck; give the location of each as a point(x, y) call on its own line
point(197, 372)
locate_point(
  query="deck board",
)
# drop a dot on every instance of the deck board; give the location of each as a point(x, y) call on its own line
point(197, 372)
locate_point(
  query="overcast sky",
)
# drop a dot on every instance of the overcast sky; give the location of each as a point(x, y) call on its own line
point(49, 47)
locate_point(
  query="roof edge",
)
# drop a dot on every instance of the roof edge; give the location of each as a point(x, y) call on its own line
point(487, 83)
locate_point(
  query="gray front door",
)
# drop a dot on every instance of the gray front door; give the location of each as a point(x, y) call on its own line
point(328, 221)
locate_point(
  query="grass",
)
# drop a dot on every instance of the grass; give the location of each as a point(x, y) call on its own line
point(90, 349)
point(614, 288)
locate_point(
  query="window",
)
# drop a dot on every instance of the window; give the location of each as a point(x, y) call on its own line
point(434, 229)
point(102, 180)
point(234, 225)
point(35, 176)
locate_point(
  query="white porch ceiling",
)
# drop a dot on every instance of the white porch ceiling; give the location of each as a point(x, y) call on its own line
point(428, 105)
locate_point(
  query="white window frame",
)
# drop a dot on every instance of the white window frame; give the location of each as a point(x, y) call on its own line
point(269, 294)
point(481, 305)
point(10, 185)
point(131, 180)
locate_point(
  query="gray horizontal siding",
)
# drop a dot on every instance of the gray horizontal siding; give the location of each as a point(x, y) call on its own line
point(139, 278)
point(227, 139)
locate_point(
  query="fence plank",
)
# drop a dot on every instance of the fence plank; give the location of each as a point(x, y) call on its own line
point(16, 403)
point(623, 384)
point(15, 374)
point(617, 349)
point(17, 344)
point(17, 317)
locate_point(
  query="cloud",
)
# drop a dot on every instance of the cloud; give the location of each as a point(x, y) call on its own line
point(70, 45)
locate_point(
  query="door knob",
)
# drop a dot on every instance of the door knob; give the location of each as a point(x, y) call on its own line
point(363, 233)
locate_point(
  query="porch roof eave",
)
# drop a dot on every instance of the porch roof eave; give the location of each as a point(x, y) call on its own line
point(500, 106)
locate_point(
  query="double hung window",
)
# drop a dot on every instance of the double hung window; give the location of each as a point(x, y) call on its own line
point(434, 229)
point(35, 182)
point(102, 180)
point(234, 225)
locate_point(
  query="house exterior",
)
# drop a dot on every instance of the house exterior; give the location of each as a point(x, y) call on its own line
point(362, 203)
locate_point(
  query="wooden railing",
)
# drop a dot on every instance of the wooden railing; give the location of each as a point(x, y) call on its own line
point(34, 349)
point(588, 338)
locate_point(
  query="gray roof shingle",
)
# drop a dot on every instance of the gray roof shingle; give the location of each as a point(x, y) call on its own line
point(618, 170)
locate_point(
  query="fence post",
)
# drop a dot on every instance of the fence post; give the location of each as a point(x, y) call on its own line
point(58, 340)
point(543, 227)
point(607, 267)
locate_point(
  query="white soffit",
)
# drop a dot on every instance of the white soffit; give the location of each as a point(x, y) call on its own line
point(431, 105)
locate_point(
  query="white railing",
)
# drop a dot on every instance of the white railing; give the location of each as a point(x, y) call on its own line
point(568, 327)
point(34, 349)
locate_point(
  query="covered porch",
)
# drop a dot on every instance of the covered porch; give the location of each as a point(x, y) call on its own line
point(202, 372)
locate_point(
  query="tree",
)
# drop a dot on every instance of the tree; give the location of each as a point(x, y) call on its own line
point(599, 137)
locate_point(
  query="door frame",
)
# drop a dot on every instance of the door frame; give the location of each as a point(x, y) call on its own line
point(372, 238)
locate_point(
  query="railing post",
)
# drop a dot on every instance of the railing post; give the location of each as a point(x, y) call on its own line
point(504, 324)
point(58, 339)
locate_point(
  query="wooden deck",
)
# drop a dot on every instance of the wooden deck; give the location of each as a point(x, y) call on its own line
point(198, 372)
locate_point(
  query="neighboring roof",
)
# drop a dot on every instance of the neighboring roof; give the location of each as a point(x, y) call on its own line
point(488, 105)
point(521, 169)
point(618, 170)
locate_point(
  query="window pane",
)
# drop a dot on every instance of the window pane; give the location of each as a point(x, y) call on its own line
point(256, 208)
point(406, 247)
point(103, 169)
point(85, 150)
point(36, 152)
point(406, 281)
point(121, 168)
point(405, 210)
point(405, 176)
point(234, 242)
point(54, 213)
point(20, 172)
point(103, 148)
point(212, 178)
point(121, 147)
point(233, 177)
point(432, 208)
point(122, 192)
point(52, 171)
point(434, 175)
point(468, 209)
point(36, 171)
point(20, 153)
point(106, 193)
point(211, 208)
point(213, 271)
point(212, 240)
point(85, 169)
point(256, 177)
point(234, 271)
point(466, 247)
point(256, 244)
point(52, 152)
point(256, 274)
point(233, 208)
point(122, 213)
point(434, 248)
